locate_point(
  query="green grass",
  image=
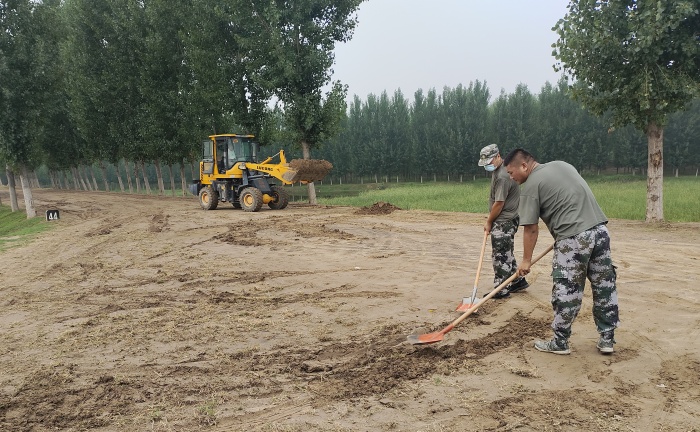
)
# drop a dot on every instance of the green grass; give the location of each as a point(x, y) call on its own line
point(456, 197)
point(621, 197)
point(15, 228)
point(624, 197)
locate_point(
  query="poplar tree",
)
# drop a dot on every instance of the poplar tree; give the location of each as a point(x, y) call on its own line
point(297, 46)
point(638, 60)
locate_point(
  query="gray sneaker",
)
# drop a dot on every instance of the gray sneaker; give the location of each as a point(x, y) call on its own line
point(605, 344)
point(553, 347)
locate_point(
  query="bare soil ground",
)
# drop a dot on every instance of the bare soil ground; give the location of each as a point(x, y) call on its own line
point(144, 313)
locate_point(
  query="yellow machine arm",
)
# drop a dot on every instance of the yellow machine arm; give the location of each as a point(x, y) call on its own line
point(298, 170)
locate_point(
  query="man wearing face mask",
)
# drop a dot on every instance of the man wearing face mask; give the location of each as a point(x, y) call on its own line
point(502, 222)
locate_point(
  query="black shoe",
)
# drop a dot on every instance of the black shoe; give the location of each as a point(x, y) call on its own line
point(501, 294)
point(518, 286)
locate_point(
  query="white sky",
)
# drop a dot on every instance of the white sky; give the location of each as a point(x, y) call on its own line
point(424, 44)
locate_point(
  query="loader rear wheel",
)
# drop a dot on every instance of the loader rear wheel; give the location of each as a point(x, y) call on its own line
point(208, 198)
point(251, 199)
point(280, 198)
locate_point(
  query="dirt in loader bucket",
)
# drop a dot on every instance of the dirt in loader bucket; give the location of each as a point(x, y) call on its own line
point(307, 170)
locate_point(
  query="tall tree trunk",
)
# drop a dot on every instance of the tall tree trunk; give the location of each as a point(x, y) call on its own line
point(103, 170)
point(119, 176)
point(146, 183)
point(74, 175)
point(33, 179)
point(83, 178)
point(137, 179)
point(92, 175)
point(655, 173)
point(86, 176)
point(127, 168)
point(182, 178)
point(172, 179)
point(77, 180)
point(11, 185)
point(27, 191)
point(306, 152)
point(159, 177)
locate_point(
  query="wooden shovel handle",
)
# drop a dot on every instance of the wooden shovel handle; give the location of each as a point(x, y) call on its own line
point(481, 258)
point(492, 293)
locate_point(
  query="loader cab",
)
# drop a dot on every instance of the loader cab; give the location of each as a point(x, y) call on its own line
point(225, 151)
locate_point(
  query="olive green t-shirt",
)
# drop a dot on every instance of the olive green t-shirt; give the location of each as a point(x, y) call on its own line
point(505, 189)
point(555, 192)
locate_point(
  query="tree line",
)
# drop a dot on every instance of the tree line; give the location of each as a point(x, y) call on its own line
point(129, 88)
point(441, 133)
point(88, 83)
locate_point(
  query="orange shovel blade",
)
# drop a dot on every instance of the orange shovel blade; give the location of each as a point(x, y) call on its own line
point(464, 307)
point(429, 338)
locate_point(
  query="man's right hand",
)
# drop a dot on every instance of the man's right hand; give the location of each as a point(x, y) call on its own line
point(524, 267)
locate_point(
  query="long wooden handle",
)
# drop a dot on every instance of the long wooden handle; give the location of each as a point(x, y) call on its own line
point(481, 258)
point(491, 294)
point(472, 299)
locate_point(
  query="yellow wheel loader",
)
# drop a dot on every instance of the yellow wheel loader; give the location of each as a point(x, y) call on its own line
point(230, 172)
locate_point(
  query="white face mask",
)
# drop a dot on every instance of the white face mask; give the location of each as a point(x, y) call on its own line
point(490, 167)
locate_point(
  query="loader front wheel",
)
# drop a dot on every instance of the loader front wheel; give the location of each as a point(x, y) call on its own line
point(208, 198)
point(251, 199)
point(280, 198)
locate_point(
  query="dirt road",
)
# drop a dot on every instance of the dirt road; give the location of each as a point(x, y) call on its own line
point(141, 313)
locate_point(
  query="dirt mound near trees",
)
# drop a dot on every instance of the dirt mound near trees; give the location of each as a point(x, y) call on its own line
point(378, 208)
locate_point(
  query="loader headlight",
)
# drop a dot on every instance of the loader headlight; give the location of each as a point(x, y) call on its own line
point(241, 166)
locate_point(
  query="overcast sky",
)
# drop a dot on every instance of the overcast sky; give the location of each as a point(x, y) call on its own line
point(423, 44)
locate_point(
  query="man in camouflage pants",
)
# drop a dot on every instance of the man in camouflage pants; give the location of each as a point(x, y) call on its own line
point(502, 221)
point(556, 193)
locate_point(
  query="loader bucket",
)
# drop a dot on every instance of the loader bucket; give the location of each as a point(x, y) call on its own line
point(307, 170)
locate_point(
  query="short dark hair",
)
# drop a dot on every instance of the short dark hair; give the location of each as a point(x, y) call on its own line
point(520, 154)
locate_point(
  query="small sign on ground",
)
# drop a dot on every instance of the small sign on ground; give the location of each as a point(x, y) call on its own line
point(52, 215)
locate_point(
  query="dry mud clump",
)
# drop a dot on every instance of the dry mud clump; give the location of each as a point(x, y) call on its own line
point(378, 208)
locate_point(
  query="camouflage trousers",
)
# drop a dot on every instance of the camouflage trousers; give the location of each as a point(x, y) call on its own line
point(585, 255)
point(502, 257)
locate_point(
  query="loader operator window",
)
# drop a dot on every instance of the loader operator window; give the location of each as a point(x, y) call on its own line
point(244, 150)
point(221, 161)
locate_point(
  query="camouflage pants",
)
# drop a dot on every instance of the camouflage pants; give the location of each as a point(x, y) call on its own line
point(502, 257)
point(585, 255)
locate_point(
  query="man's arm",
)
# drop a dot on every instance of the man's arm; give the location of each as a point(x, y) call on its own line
point(496, 209)
point(530, 233)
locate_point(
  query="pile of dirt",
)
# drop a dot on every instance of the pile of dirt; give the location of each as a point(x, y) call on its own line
point(309, 170)
point(354, 371)
point(378, 208)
